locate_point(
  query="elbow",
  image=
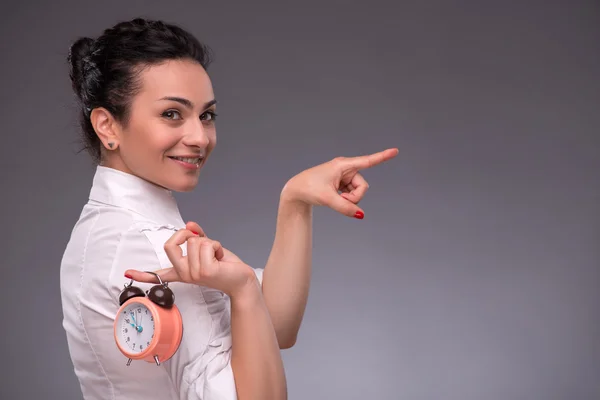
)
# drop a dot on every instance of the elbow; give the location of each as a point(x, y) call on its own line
point(287, 342)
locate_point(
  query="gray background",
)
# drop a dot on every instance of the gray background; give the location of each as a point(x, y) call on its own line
point(475, 274)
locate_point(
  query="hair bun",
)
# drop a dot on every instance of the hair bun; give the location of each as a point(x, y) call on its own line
point(78, 57)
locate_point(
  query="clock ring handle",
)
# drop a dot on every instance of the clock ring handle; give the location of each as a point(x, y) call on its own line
point(165, 284)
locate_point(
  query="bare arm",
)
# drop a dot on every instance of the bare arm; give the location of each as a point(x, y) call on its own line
point(286, 278)
point(256, 359)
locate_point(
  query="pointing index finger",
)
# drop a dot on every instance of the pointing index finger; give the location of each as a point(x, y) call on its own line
point(368, 161)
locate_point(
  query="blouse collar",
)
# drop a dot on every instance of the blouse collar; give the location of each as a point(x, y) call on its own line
point(117, 188)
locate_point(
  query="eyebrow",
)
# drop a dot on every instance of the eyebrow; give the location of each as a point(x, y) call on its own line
point(187, 103)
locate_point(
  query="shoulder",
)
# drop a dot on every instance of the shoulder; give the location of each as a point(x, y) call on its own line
point(109, 240)
point(122, 232)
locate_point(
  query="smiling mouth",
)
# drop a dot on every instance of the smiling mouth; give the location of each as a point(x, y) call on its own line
point(189, 160)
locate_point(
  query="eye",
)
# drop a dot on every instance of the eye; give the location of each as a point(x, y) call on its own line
point(172, 114)
point(208, 116)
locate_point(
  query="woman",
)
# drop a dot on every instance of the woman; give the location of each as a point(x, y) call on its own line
point(148, 120)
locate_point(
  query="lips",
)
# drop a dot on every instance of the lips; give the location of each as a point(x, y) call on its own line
point(189, 160)
point(190, 163)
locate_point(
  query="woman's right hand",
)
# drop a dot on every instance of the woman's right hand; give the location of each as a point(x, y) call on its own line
point(203, 265)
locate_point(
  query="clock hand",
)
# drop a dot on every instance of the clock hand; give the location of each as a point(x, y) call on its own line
point(133, 318)
point(140, 328)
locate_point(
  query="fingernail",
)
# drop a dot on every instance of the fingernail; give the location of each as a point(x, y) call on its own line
point(195, 233)
point(359, 215)
point(128, 276)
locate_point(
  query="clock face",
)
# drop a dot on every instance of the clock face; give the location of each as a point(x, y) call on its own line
point(135, 327)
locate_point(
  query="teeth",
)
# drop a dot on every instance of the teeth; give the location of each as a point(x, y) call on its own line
point(195, 160)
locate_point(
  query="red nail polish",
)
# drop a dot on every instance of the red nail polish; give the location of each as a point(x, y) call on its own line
point(128, 276)
point(195, 233)
point(359, 215)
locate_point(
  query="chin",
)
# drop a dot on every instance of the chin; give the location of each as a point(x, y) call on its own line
point(186, 189)
point(184, 186)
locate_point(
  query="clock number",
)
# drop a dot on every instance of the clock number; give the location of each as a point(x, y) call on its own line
point(127, 320)
point(128, 338)
point(126, 330)
point(151, 318)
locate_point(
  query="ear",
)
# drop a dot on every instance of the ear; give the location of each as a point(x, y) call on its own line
point(106, 127)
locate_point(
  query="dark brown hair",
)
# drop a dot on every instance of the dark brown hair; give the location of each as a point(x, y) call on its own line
point(104, 71)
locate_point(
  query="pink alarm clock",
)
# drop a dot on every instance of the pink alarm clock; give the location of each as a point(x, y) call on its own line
point(148, 326)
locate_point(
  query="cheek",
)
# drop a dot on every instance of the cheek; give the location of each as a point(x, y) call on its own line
point(164, 141)
point(158, 139)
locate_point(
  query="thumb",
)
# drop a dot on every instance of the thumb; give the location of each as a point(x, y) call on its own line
point(340, 204)
point(166, 275)
point(210, 253)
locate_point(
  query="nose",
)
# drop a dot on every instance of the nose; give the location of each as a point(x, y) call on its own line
point(197, 136)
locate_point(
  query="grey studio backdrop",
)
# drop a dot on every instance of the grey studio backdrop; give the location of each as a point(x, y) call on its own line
point(475, 273)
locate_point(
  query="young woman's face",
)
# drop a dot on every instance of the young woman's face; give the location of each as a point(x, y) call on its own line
point(171, 131)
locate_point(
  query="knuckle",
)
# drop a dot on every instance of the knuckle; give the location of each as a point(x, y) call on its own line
point(321, 199)
point(194, 240)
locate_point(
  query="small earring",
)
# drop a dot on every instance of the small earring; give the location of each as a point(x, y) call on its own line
point(111, 144)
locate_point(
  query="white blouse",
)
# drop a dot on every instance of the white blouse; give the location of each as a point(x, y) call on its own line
point(124, 225)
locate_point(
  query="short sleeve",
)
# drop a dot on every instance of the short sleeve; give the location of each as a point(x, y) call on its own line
point(201, 367)
point(259, 274)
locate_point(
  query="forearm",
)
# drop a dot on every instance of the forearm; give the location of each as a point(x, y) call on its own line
point(286, 278)
point(256, 358)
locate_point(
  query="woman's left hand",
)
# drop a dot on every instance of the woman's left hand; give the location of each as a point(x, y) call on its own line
point(321, 185)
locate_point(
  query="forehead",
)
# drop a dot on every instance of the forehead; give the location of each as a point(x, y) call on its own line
point(181, 78)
